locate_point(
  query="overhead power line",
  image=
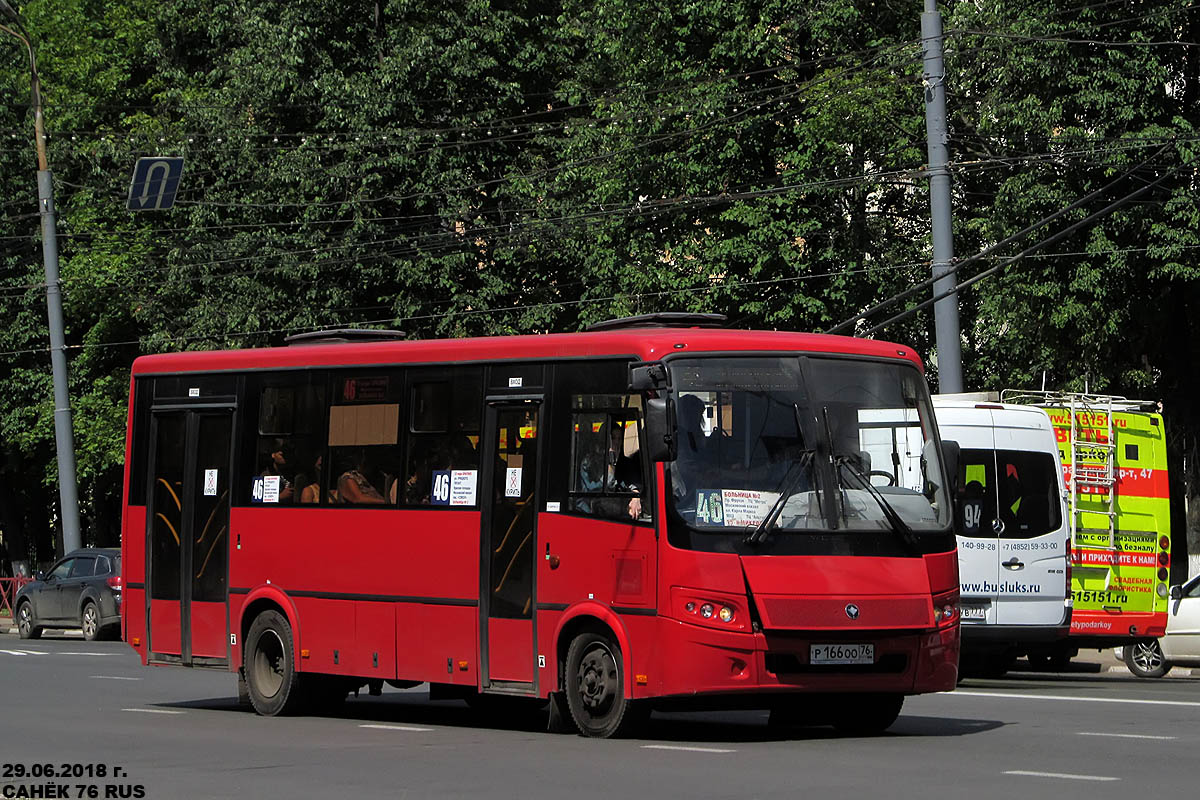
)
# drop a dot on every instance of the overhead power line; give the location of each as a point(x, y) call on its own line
point(985, 253)
point(1086, 221)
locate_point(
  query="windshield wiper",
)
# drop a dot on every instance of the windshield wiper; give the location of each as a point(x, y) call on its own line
point(889, 512)
point(786, 486)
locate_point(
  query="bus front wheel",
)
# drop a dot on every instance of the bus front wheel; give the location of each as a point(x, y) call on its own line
point(270, 665)
point(868, 714)
point(595, 686)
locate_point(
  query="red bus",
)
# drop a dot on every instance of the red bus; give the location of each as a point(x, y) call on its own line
point(649, 515)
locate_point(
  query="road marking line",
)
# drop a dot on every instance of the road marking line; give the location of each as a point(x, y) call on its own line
point(688, 749)
point(1126, 735)
point(1069, 698)
point(1064, 775)
point(25, 652)
point(69, 653)
point(114, 678)
point(397, 728)
point(153, 711)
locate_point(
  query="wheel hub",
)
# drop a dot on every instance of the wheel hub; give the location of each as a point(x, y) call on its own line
point(1147, 656)
point(596, 676)
point(268, 664)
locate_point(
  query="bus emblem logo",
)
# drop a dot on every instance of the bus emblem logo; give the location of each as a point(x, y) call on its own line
point(851, 611)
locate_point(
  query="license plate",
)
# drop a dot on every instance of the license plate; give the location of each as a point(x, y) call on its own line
point(841, 654)
point(974, 612)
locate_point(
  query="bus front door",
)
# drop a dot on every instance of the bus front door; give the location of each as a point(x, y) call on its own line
point(507, 542)
point(187, 529)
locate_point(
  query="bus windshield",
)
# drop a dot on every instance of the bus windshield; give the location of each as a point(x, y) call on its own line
point(806, 444)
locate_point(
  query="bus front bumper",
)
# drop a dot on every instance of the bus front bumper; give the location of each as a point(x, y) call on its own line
point(696, 660)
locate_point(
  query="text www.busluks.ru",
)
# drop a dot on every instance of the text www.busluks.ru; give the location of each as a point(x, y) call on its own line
point(1004, 587)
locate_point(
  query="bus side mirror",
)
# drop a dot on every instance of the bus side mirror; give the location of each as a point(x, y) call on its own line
point(647, 377)
point(660, 429)
point(951, 456)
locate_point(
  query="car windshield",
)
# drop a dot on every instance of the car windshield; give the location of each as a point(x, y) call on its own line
point(795, 441)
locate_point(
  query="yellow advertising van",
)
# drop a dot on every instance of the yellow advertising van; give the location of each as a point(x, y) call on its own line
point(1113, 452)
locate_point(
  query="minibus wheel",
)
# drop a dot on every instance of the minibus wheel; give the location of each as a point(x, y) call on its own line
point(595, 687)
point(270, 665)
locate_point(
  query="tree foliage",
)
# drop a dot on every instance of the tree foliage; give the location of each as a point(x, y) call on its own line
point(497, 166)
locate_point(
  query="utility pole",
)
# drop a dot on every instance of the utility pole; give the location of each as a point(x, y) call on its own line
point(945, 311)
point(63, 435)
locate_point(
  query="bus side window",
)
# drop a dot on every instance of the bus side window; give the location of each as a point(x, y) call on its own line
point(442, 464)
point(291, 411)
point(364, 438)
point(608, 473)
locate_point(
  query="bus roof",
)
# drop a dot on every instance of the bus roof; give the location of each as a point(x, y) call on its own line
point(647, 344)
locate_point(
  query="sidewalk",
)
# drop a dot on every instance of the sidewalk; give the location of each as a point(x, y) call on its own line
point(8, 628)
point(1108, 662)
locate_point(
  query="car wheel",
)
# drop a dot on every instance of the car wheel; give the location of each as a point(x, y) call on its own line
point(89, 620)
point(595, 687)
point(26, 625)
point(1145, 659)
point(270, 666)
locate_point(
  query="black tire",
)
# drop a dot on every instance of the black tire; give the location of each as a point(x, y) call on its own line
point(1144, 658)
point(595, 687)
point(867, 714)
point(270, 666)
point(89, 621)
point(27, 626)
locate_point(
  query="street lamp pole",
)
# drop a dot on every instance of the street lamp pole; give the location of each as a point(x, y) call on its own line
point(63, 435)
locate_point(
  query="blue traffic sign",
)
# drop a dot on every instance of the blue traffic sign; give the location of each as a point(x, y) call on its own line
point(155, 182)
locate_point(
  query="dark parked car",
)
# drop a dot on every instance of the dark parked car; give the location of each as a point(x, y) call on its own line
point(82, 590)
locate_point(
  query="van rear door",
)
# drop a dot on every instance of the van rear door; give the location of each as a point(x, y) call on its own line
point(978, 565)
point(1031, 521)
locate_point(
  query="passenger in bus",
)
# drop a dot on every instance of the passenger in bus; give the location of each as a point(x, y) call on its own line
point(277, 466)
point(310, 482)
point(355, 487)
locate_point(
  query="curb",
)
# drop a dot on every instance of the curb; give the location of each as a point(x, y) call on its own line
point(8, 628)
point(1176, 672)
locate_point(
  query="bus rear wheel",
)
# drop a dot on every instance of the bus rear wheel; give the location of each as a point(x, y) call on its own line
point(269, 664)
point(595, 687)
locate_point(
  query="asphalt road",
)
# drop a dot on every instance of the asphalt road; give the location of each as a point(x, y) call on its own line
point(179, 733)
